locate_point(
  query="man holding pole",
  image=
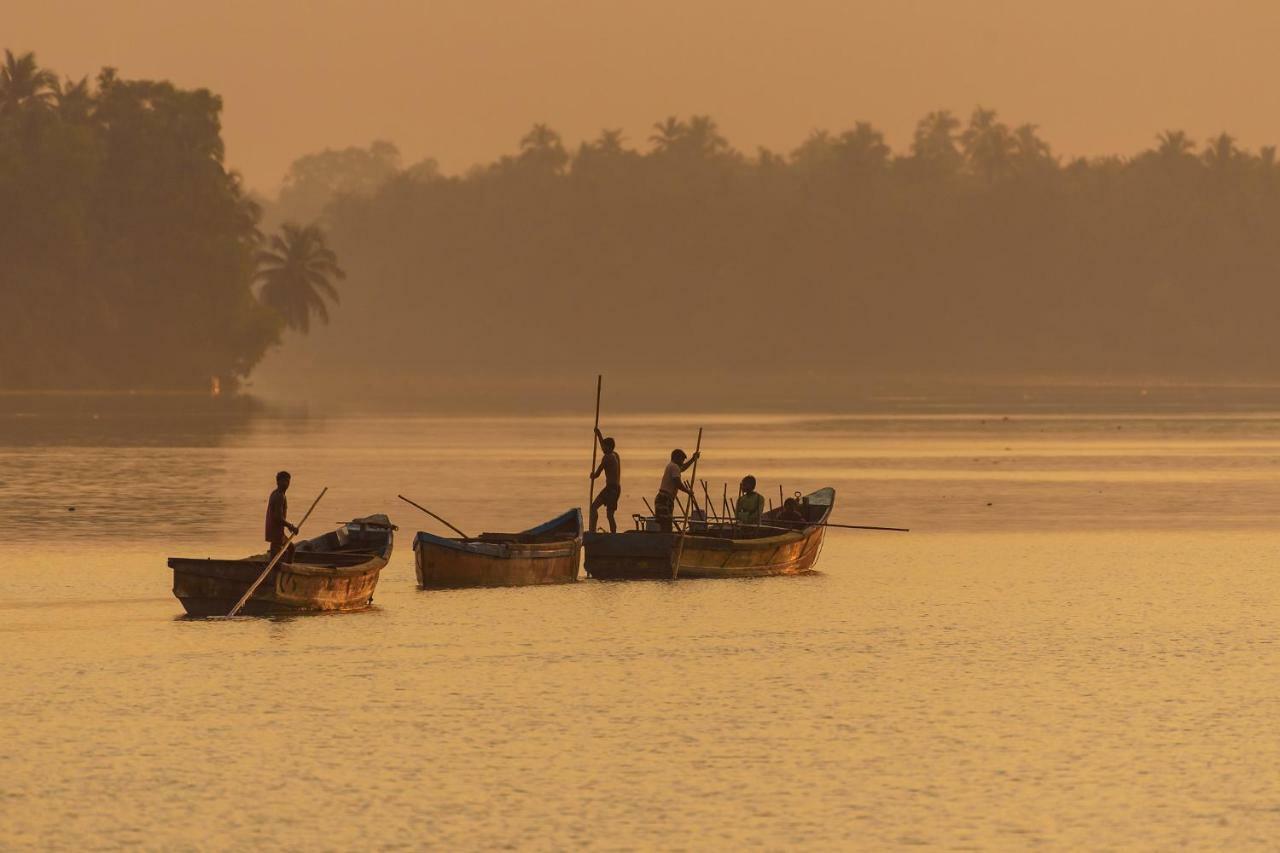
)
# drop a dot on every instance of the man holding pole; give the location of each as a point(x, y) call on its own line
point(611, 467)
point(277, 511)
point(664, 505)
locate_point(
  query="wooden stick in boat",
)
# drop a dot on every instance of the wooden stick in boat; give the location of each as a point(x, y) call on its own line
point(595, 441)
point(433, 515)
point(284, 549)
point(801, 525)
point(707, 494)
point(675, 567)
point(781, 499)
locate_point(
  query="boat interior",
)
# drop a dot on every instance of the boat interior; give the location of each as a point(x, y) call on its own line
point(351, 544)
point(562, 528)
point(814, 507)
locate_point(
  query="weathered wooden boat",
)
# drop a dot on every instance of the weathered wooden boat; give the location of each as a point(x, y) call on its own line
point(544, 554)
point(336, 571)
point(715, 549)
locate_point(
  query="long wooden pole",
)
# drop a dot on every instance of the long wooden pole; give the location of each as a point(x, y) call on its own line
point(595, 441)
point(707, 494)
point(433, 515)
point(675, 567)
point(796, 525)
point(284, 549)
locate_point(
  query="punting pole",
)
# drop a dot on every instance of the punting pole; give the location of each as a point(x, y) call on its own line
point(595, 442)
point(284, 549)
point(675, 567)
point(433, 515)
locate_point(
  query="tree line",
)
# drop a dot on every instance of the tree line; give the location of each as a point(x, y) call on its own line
point(976, 252)
point(131, 256)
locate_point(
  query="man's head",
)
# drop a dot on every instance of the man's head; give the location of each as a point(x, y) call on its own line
point(282, 480)
point(792, 503)
point(748, 483)
point(608, 445)
point(678, 456)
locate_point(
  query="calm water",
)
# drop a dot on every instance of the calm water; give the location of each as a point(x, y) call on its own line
point(1075, 647)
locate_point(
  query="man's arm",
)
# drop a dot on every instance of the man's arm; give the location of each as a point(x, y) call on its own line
point(692, 459)
point(600, 468)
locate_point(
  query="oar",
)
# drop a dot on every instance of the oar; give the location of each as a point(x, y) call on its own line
point(433, 515)
point(284, 549)
point(595, 441)
point(675, 567)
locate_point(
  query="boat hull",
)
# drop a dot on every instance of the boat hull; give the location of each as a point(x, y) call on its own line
point(547, 554)
point(340, 579)
point(212, 587)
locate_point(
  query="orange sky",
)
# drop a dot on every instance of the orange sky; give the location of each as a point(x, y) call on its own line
point(461, 80)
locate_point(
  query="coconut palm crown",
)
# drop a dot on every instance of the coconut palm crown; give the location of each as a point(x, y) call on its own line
point(297, 270)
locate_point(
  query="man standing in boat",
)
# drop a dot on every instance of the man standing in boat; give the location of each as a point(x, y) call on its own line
point(611, 466)
point(664, 505)
point(277, 512)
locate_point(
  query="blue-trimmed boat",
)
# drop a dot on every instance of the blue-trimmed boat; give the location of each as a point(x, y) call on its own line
point(544, 554)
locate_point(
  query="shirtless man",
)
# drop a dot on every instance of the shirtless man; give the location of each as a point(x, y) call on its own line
point(611, 467)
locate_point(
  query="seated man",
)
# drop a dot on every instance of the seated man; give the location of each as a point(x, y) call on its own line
point(791, 515)
point(750, 502)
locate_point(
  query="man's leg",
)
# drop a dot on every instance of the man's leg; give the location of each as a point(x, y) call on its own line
point(613, 524)
point(595, 509)
point(664, 509)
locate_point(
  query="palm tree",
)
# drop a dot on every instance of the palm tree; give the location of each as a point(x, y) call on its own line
point(987, 145)
point(296, 273)
point(670, 133)
point(74, 99)
point(1220, 153)
point(704, 139)
point(1173, 145)
point(542, 147)
point(609, 142)
point(24, 84)
point(863, 149)
point(934, 143)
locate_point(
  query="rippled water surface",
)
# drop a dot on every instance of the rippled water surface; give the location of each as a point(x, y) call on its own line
point(1074, 647)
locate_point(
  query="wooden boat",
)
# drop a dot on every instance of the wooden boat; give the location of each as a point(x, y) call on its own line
point(336, 571)
point(547, 553)
point(715, 550)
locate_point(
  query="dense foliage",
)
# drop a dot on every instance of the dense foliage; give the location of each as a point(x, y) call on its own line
point(128, 249)
point(976, 252)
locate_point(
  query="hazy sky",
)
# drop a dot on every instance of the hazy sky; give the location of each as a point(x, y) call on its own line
point(461, 80)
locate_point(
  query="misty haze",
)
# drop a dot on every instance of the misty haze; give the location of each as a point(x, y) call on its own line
point(680, 425)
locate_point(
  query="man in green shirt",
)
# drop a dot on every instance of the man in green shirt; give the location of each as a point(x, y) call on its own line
point(750, 502)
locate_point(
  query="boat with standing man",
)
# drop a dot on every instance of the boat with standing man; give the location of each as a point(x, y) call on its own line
point(714, 548)
point(336, 571)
